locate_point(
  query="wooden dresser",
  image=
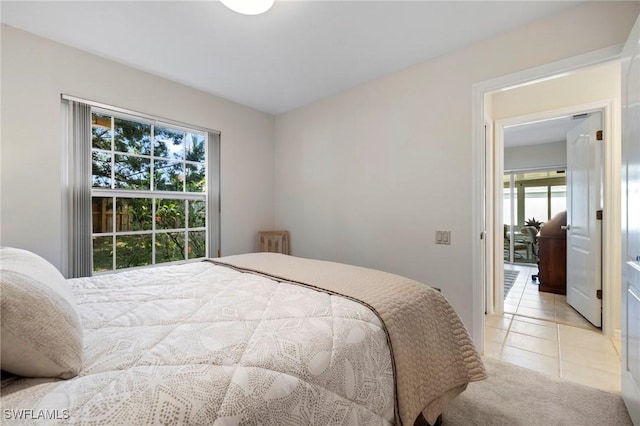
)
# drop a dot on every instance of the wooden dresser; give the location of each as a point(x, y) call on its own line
point(552, 255)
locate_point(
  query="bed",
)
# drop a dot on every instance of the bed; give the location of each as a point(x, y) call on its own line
point(251, 339)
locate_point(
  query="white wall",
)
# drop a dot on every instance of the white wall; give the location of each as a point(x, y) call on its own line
point(368, 175)
point(598, 83)
point(35, 71)
point(552, 154)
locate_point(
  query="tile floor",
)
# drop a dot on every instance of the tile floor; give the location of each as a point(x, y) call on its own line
point(540, 331)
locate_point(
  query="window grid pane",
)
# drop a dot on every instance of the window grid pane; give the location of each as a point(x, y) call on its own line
point(102, 253)
point(133, 250)
point(558, 199)
point(132, 161)
point(536, 202)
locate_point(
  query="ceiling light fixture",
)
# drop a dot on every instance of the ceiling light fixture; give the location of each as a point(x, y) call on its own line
point(248, 7)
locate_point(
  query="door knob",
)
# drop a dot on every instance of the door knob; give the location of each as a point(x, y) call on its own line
point(565, 227)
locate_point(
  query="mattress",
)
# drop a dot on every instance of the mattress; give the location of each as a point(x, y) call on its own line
point(207, 344)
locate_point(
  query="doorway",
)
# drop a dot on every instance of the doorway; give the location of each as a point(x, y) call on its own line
point(512, 106)
point(505, 331)
point(486, 277)
point(539, 330)
point(533, 198)
point(554, 166)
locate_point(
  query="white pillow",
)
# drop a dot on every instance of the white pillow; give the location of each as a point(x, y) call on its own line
point(40, 326)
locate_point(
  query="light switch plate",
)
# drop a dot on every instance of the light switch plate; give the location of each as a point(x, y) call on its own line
point(443, 237)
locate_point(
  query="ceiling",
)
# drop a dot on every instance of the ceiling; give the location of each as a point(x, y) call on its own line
point(296, 53)
point(540, 132)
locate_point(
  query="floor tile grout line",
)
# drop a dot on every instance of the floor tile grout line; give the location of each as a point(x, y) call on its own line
point(560, 372)
point(600, 370)
point(615, 347)
point(504, 341)
point(533, 351)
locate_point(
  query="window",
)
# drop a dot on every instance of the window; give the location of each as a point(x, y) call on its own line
point(149, 198)
point(558, 199)
point(139, 190)
point(540, 195)
point(536, 202)
point(529, 196)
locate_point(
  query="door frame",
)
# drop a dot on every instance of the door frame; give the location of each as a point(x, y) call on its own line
point(612, 146)
point(479, 171)
point(488, 273)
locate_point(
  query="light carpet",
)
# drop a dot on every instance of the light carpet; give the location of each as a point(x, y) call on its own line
point(516, 396)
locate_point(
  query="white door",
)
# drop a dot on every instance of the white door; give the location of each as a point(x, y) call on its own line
point(584, 199)
point(631, 224)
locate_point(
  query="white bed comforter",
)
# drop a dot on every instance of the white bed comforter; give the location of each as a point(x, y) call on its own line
point(204, 344)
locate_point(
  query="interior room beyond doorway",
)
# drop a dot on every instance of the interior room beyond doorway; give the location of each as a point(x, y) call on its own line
point(530, 198)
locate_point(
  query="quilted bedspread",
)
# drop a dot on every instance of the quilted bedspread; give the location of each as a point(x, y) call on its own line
point(201, 344)
point(433, 356)
point(208, 344)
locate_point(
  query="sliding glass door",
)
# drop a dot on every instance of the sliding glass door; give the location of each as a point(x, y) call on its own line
point(529, 199)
